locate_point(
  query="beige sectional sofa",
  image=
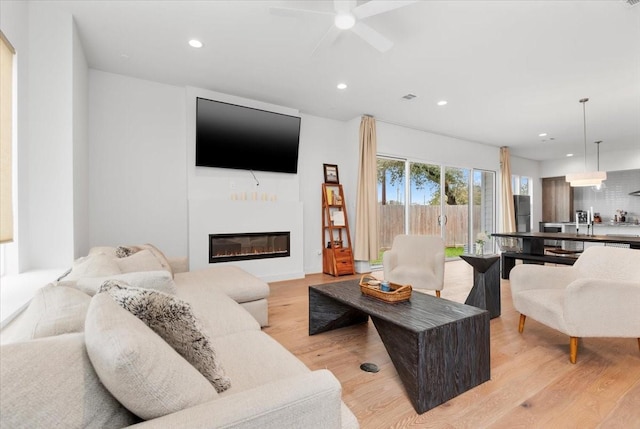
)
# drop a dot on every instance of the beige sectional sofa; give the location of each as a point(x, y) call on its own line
point(79, 357)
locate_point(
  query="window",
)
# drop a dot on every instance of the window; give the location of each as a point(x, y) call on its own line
point(7, 54)
point(521, 185)
point(6, 140)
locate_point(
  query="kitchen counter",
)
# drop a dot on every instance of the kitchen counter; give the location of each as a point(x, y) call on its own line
point(604, 228)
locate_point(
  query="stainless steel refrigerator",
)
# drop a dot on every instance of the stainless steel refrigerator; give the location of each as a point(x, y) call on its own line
point(522, 205)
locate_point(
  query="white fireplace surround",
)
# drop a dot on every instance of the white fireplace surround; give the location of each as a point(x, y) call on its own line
point(211, 216)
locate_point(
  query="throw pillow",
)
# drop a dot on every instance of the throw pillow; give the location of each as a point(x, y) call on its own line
point(174, 320)
point(156, 280)
point(143, 260)
point(107, 250)
point(137, 366)
point(96, 265)
point(50, 383)
point(124, 251)
point(53, 310)
point(164, 261)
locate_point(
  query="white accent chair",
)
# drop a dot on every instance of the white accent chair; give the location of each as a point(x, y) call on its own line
point(599, 296)
point(416, 260)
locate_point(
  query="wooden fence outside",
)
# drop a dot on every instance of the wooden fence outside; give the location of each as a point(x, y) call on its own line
point(424, 220)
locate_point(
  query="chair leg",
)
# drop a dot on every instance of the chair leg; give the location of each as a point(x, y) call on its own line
point(521, 324)
point(438, 295)
point(573, 349)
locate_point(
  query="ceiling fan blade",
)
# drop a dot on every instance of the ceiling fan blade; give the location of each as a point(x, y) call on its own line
point(327, 40)
point(344, 6)
point(288, 11)
point(375, 7)
point(372, 37)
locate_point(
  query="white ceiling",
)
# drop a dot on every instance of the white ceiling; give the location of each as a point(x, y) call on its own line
point(510, 70)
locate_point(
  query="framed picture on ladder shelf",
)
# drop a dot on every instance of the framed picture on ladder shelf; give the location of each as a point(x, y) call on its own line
point(331, 173)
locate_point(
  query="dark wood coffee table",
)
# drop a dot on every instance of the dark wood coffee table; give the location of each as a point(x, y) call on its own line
point(440, 348)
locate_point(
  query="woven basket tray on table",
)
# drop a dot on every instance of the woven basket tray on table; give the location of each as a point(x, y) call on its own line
point(398, 292)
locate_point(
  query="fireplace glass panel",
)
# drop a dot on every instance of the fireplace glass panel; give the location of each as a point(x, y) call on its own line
point(244, 246)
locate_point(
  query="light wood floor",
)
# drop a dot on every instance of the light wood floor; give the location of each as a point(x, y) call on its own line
point(533, 384)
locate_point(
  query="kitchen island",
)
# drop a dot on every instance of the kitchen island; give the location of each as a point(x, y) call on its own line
point(532, 245)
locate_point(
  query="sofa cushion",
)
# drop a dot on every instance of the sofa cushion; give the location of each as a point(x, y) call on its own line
point(137, 366)
point(235, 282)
point(253, 358)
point(50, 382)
point(174, 320)
point(219, 314)
point(53, 310)
point(155, 280)
point(95, 265)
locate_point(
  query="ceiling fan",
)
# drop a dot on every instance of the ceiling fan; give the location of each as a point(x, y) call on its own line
point(348, 15)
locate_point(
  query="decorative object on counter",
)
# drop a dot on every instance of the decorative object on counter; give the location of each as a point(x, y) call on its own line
point(597, 218)
point(481, 238)
point(621, 216)
point(591, 178)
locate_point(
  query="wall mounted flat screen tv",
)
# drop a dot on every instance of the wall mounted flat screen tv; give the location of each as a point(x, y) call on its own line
point(232, 136)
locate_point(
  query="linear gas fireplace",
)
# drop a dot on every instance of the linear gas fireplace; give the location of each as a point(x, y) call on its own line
point(252, 245)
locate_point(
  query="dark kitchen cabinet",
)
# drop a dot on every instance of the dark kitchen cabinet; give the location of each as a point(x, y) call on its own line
point(557, 200)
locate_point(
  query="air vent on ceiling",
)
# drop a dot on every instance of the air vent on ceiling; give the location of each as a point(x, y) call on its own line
point(409, 96)
point(632, 2)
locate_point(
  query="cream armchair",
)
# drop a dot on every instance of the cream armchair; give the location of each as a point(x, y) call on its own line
point(599, 296)
point(416, 260)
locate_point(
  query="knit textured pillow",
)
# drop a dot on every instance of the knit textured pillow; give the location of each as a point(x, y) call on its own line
point(174, 321)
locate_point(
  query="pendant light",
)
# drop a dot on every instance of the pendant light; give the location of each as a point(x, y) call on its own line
point(588, 178)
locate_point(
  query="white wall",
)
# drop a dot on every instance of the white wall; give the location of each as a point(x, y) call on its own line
point(51, 133)
point(433, 148)
point(50, 241)
point(325, 142)
point(80, 114)
point(137, 159)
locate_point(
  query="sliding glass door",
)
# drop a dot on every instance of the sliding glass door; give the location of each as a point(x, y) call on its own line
point(391, 202)
point(455, 206)
point(483, 209)
point(419, 198)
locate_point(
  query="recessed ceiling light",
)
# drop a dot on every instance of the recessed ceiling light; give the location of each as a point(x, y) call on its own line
point(542, 135)
point(344, 21)
point(195, 43)
point(342, 86)
point(442, 102)
point(569, 154)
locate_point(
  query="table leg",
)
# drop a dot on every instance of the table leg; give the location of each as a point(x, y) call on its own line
point(507, 264)
point(326, 313)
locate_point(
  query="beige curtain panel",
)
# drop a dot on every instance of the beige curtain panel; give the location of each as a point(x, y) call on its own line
point(366, 247)
point(506, 193)
point(6, 122)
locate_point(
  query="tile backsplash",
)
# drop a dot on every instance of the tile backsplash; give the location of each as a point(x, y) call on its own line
point(613, 196)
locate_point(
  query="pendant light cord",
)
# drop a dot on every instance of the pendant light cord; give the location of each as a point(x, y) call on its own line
point(584, 118)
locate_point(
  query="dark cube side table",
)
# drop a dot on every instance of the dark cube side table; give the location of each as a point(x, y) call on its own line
point(485, 293)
